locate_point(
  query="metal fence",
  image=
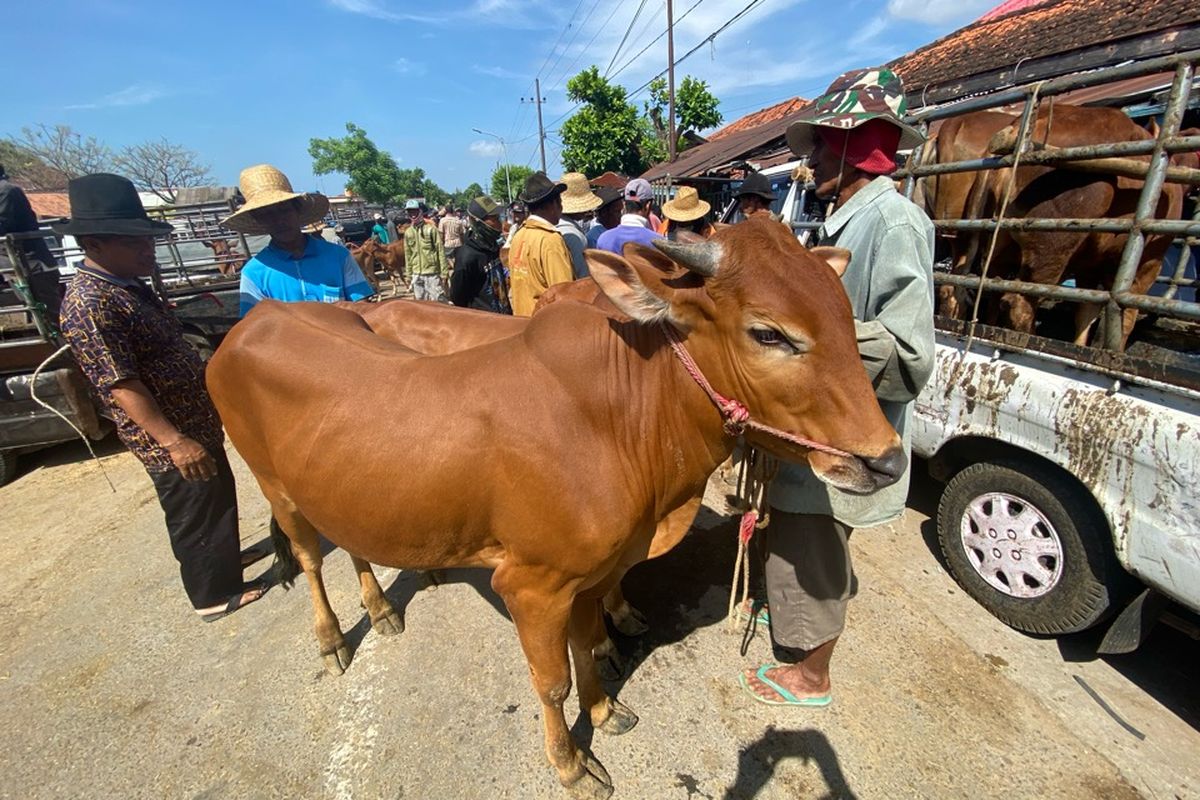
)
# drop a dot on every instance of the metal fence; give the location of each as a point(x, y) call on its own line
point(1159, 169)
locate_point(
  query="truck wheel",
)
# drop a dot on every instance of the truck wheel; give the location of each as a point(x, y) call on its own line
point(1029, 545)
point(8, 466)
point(200, 344)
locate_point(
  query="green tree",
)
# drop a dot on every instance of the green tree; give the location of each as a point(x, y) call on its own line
point(695, 109)
point(606, 133)
point(371, 172)
point(516, 176)
point(461, 198)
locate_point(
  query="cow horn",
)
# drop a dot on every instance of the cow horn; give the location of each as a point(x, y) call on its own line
point(701, 258)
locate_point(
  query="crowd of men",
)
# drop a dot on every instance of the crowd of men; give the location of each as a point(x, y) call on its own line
point(151, 382)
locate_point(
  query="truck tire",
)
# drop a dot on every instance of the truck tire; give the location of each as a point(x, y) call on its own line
point(8, 466)
point(1029, 545)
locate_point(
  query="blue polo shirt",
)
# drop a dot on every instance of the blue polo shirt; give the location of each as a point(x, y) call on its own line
point(325, 273)
point(632, 229)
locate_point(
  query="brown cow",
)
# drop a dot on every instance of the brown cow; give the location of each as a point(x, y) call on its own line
point(591, 433)
point(1091, 259)
point(437, 329)
point(226, 255)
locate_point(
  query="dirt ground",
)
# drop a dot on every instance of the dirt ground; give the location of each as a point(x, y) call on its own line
point(112, 688)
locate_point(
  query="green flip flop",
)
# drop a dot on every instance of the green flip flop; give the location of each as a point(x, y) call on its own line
point(787, 698)
point(759, 611)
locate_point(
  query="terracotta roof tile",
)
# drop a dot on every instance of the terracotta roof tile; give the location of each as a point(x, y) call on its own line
point(760, 117)
point(49, 205)
point(1001, 40)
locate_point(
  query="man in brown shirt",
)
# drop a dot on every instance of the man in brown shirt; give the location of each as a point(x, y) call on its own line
point(151, 382)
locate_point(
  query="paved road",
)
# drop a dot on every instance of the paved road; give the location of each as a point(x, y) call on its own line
point(112, 688)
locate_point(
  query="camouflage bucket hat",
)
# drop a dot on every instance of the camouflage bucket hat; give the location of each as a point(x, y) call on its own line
point(854, 98)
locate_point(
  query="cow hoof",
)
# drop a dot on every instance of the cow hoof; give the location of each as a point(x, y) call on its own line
point(621, 720)
point(431, 579)
point(631, 623)
point(390, 624)
point(338, 661)
point(593, 783)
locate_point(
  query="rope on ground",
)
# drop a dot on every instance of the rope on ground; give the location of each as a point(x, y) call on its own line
point(87, 442)
point(756, 472)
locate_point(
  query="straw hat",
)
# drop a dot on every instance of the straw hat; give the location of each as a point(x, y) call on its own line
point(686, 206)
point(263, 186)
point(578, 198)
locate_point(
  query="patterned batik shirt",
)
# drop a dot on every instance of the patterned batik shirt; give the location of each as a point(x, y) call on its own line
point(119, 330)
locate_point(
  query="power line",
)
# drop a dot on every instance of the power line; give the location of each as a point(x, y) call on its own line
point(561, 34)
point(578, 28)
point(586, 47)
point(625, 38)
point(656, 39)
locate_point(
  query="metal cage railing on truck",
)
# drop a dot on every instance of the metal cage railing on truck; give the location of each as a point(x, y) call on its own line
point(1160, 148)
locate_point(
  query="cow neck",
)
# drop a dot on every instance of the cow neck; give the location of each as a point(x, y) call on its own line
point(667, 421)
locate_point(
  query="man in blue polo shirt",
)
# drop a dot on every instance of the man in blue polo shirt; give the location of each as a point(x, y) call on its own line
point(294, 267)
point(635, 222)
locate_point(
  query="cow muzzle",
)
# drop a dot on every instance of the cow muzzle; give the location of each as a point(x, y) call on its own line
point(860, 474)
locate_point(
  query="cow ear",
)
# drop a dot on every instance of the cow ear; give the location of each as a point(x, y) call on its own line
point(836, 257)
point(622, 284)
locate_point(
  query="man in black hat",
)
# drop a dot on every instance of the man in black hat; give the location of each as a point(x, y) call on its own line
point(151, 382)
point(17, 216)
point(538, 254)
point(755, 196)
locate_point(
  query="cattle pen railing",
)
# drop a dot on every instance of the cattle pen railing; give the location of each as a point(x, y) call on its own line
point(1160, 148)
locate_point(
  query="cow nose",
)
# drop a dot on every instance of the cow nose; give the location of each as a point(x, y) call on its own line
point(887, 468)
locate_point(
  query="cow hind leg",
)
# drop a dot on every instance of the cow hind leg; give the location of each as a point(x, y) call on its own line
point(587, 631)
point(384, 619)
point(306, 547)
point(542, 618)
point(1086, 315)
point(627, 619)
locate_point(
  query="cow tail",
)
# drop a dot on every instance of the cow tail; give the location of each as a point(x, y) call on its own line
point(285, 567)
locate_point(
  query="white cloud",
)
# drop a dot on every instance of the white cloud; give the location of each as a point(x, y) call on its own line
point(938, 12)
point(484, 148)
point(380, 9)
point(406, 67)
point(498, 72)
point(135, 95)
point(869, 32)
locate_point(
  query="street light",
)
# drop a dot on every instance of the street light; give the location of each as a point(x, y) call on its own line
point(504, 150)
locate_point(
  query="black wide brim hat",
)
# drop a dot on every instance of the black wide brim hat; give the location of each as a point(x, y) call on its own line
point(538, 188)
point(756, 184)
point(107, 205)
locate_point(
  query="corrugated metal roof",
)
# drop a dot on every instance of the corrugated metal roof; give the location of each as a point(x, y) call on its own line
point(746, 145)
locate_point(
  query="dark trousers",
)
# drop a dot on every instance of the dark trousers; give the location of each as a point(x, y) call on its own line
point(202, 521)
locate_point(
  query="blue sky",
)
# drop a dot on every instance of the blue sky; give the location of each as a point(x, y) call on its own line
point(250, 82)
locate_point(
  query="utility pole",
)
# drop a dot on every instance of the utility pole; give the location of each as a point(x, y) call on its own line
point(670, 82)
point(537, 87)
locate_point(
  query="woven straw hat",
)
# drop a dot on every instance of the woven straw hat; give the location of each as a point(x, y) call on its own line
point(264, 185)
point(686, 206)
point(578, 198)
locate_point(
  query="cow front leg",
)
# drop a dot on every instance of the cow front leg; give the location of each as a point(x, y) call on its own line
point(1086, 315)
point(542, 617)
point(384, 619)
point(586, 633)
point(307, 549)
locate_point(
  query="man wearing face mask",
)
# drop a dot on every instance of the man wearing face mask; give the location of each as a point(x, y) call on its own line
point(479, 279)
point(851, 135)
point(424, 255)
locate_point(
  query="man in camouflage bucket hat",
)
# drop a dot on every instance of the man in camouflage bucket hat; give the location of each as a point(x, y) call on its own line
point(850, 135)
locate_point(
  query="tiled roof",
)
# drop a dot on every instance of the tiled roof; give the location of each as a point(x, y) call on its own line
point(1009, 6)
point(1001, 40)
point(49, 205)
point(760, 117)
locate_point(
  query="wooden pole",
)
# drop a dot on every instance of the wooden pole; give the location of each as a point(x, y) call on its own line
point(537, 85)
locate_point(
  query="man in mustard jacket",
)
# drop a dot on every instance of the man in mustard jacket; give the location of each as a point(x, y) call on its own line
point(538, 255)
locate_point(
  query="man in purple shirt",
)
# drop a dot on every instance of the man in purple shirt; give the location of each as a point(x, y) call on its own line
point(635, 222)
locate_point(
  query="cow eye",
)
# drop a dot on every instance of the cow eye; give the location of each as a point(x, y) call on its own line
point(769, 337)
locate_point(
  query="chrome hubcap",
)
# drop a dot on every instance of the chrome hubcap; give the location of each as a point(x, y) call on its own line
point(1012, 545)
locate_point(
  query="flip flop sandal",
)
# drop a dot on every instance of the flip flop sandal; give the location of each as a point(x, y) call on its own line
point(235, 602)
point(786, 697)
point(761, 617)
point(257, 552)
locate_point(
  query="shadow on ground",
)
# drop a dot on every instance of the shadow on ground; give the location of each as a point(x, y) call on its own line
point(758, 761)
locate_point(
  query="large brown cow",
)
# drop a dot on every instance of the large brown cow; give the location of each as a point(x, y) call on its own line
point(591, 433)
point(1091, 259)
